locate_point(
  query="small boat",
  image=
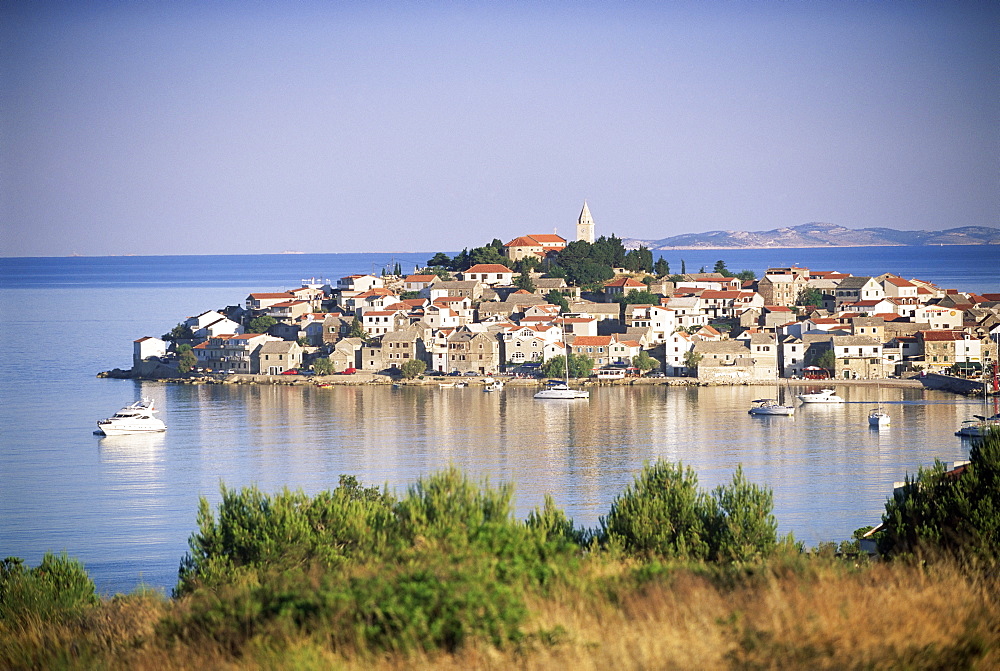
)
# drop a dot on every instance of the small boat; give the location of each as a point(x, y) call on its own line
point(562, 392)
point(770, 406)
point(446, 385)
point(824, 396)
point(978, 427)
point(878, 418)
point(557, 390)
point(496, 385)
point(135, 418)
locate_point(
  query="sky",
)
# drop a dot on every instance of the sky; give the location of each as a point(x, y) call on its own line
point(218, 127)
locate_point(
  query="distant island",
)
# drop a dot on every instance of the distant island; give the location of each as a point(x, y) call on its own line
point(822, 235)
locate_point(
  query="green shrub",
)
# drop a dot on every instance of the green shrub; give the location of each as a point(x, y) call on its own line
point(255, 530)
point(662, 513)
point(448, 507)
point(429, 604)
point(57, 588)
point(956, 514)
point(740, 523)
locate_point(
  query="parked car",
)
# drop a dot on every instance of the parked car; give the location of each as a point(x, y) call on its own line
point(349, 371)
point(471, 373)
point(455, 373)
point(291, 371)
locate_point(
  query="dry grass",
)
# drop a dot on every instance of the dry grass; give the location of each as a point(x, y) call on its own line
point(816, 615)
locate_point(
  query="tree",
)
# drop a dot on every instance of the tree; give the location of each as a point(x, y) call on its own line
point(810, 296)
point(746, 276)
point(525, 282)
point(740, 521)
point(356, 330)
point(955, 513)
point(527, 264)
point(683, 267)
point(661, 513)
point(827, 359)
point(580, 365)
point(661, 267)
point(439, 259)
point(180, 332)
point(261, 324)
point(322, 366)
point(488, 254)
point(186, 360)
point(556, 297)
point(636, 297)
point(412, 368)
point(720, 268)
point(692, 359)
point(644, 362)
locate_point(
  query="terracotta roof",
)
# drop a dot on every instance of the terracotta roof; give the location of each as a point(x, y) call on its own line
point(523, 241)
point(489, 268)
point(624, 282)
point(548, 239)
point(420, 278)
point(899, 282)
point(942, 336)
point(592, 341)
point(283, 294)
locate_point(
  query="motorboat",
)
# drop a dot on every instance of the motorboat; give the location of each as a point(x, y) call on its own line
point(879, 418)
point(824, 396)
point(978, 427)
point(770, 406)
point(135, 418)
point(496, 385)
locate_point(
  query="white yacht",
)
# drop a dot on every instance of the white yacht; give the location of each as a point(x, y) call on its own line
point(770, 406)
point(135, 418)
point(824, 396)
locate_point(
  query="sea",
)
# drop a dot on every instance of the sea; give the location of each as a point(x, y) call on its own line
point(126, 506)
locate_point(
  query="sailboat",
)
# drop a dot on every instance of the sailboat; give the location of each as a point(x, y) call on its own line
point(878, 417)
point(772, 406)
point(981, 425)
point(562, 390)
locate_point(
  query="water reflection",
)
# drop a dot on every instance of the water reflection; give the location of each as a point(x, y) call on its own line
point(133, 510)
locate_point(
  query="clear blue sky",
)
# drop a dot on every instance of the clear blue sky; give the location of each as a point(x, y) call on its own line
point(255, 127)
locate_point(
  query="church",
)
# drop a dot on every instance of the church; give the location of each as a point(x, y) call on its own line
point(541, 244)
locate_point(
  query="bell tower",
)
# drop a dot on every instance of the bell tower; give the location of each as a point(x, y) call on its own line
point(585, 225)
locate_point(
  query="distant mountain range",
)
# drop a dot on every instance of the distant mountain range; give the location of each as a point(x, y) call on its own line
point(822, 235)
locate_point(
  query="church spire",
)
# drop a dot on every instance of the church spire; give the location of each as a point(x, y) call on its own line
point(585, 225)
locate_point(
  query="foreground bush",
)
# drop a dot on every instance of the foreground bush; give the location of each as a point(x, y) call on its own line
point(57, 588)
point(664, 513)
point(955, 514)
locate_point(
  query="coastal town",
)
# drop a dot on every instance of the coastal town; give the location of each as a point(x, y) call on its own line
point(509, 308)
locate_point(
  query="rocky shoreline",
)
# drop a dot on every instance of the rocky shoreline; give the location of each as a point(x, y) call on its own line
point(366, 379)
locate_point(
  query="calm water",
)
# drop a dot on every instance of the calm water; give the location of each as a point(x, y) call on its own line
point(126, 505)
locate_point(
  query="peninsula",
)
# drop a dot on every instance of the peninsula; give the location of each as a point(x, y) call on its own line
point(525, 307)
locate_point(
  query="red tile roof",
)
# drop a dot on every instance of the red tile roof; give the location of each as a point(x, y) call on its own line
point(489, 268)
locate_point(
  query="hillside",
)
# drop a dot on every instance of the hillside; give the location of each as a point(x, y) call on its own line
point(823, 235)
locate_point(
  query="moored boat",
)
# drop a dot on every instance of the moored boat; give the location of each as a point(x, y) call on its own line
point(770, 406)
point(878, 418)
point(824, 396)
point(135, 418)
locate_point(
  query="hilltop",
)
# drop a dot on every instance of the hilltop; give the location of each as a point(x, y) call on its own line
point(823, 235)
